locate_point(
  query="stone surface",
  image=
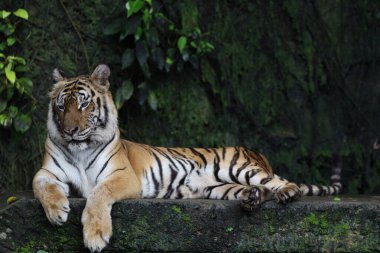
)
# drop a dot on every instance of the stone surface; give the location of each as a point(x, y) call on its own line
point(313, 224)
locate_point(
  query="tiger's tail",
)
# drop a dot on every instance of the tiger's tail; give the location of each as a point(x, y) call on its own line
point(322, 190)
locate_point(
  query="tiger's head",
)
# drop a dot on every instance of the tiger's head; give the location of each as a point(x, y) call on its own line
point(82, 113)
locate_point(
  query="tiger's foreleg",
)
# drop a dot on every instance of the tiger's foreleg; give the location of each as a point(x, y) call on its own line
point(251, 196)
point(52, 194)
point(96, 217)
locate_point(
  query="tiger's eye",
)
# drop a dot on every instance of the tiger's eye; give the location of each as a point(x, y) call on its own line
point(61, 107)
point(84, 105)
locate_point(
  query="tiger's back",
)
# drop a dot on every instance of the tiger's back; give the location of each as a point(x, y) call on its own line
point(187, 172)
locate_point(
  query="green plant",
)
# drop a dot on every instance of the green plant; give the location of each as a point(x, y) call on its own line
point(229, 229)
point(16, 100)
point(156, 43)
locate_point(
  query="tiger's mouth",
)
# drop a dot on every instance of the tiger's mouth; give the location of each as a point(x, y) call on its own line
point(74, 141)
point(83, 137)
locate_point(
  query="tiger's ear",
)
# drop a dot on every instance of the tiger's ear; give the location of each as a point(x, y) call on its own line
point(101, 75)
point(58, 75)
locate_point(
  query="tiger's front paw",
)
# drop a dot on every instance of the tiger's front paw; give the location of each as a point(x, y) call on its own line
point(56, 206)
point(288, 193)
point(97, 228)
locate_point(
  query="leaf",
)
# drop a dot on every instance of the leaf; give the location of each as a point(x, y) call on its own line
point(169, 61)
point(22, 122)
point(9, 73)
point(134, 6)
point(17, 59)
point(127, 89)
point(12, 111)
point(141, 52)
point(153, 37)
point(124, 93)
point(113, 28)
point(130, 26)
point(181, 43)
point(3, 105)
point(21, 13)
point(159, 58)
point(26, 84)
point(4, 14)
point(22, 68)
point(11, 41)
point(127, 58)
point(152, 100)
point(5, 120)
point(11, 199)
point(147, 18)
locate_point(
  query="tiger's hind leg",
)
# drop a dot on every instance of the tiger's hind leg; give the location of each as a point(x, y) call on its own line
point(251, 196)
point(284, 191)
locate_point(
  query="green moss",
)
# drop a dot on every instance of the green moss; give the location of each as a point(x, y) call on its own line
point(184, 216)
point(229, 229)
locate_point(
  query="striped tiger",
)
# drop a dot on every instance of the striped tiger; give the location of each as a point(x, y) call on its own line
point(83, 149)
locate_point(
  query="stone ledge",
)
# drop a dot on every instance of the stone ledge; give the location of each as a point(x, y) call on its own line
point(318, 224)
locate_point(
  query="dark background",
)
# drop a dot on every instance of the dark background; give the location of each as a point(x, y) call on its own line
point(298, 81)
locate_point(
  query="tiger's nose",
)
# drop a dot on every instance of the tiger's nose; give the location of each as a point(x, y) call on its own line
point(71, 131)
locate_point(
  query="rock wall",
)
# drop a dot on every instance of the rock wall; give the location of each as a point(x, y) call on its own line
point(313, 224)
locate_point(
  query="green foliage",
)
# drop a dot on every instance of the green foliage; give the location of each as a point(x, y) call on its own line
point(229, 229)
point(16, 100)
point(159, 44)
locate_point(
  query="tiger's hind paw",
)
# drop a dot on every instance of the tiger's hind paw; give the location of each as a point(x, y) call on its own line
point(288, 193)
point(254, 196)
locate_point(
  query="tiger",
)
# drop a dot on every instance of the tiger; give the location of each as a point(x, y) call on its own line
point(84, 150)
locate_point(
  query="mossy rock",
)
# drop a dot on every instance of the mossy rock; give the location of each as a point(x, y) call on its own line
point(310, 225)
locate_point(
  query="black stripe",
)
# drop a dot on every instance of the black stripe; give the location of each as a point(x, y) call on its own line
point(53, 175)
point(155, 182)
point(310, 188)
point(179, 195)
point(173, 176)
point(238, 191)
point(232, 164)
point(216, 166)
point(64, 151)
point(56, 163)
point(159, 165)
point(320, 189)
point(239, 170)
point(227, 191)
point(96, 156)
point(175, 152)
point(208, 150)
point(223, 153)
point(247, 176)
point(103, 121)
point(116, 171)
point(55, 117)
point(266, 180)
point(181, 183)
point(211, 188)
point(105, 165)
point(200, 155)
point(164, 154)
